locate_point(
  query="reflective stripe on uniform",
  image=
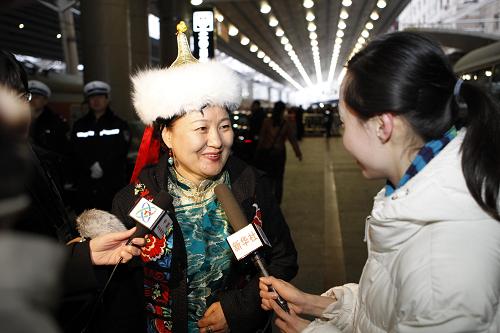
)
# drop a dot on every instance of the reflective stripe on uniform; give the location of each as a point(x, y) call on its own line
point(85, 134)
point(114, 131)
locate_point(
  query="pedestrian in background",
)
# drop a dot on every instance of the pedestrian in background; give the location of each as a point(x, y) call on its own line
point(271, 151)
point(101, 141)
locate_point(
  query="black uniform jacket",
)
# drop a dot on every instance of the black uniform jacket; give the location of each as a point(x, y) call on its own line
point(49, 131)
point(123, 309)
point(105, 140)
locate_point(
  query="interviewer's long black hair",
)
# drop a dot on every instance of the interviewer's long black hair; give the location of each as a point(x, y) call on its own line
point(409, 75)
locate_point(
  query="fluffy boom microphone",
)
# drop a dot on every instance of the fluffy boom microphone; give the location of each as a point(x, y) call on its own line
point(253, 237)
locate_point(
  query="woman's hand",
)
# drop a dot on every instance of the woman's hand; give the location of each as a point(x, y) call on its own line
point(292, 295)
point(213, 320)
point(288, 322)
point(109, 248)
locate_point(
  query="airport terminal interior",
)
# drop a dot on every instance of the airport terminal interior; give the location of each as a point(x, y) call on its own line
point(294, 51)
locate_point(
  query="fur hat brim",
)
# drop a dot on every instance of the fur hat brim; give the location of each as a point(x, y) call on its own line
point(174, 91)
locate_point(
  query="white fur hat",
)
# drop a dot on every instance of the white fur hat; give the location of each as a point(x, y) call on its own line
point(174, 91)
point(187, 85)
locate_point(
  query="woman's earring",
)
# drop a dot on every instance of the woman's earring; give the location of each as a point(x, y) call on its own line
point(170, 157)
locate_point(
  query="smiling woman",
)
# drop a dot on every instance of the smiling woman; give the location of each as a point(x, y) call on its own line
point(189, 281)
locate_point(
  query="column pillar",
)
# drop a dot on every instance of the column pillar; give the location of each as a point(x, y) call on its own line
point(171, 12)
point(139, 34)
point(105, 34)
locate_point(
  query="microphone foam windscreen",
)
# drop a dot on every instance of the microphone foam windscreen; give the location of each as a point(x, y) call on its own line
point(233, 211)
point(94, 222)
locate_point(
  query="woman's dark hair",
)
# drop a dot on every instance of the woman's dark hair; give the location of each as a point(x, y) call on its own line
point(12, 73)
point(409, 75)
point(158, 125)
point(278, 111)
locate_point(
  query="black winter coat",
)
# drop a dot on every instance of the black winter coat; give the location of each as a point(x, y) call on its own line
point(123, 308)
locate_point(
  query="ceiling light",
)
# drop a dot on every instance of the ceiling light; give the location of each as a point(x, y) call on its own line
point(338, 40)
point(196, 2)
point(21, 26)
point(314, 42)
point(315, 48)
point(245, 40)
point(342, 25)
point(284, 40)
point(346, 3)
point(361, 40)
point(381, 4)
point(273, 22)
point(340, 33)
point(369, 26)
point(219, 17)
point(264, 7)
point(266, 59)
point(233, 31)
point(308, 3)
point(288, 47)
point(313, 35)
point(365, 33)
point(261, 54)
point(279, 32)
point(374, 16)
point(488, 73)
point(254, 48)
point(344, 14)
point(58, 36)
point(311, 27)
point(310, 16)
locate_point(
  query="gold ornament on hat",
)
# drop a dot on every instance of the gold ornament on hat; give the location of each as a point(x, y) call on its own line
point(184, 55)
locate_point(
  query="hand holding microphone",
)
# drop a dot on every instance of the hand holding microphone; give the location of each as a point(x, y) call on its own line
point(109, 239)
point(111, 248)
point(247, 238)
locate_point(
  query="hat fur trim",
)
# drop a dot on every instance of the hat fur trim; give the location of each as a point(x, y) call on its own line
point(174, 91)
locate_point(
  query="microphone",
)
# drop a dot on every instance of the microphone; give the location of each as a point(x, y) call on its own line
point(152, 217)
point(247, 237)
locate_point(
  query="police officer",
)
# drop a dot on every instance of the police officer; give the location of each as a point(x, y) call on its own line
point(101, 141)
point(48, 130)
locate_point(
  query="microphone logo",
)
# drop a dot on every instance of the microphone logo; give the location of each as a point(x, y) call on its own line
point(245, 241)
point(146, 213)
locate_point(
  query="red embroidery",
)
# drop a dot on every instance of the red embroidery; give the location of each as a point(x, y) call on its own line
point(257, 219)
point(154, 248)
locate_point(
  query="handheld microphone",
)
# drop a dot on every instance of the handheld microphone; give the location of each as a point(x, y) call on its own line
point(247, 237)
point(151, 217)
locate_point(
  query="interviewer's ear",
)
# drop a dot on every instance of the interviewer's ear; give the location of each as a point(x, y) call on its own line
point(384, 126)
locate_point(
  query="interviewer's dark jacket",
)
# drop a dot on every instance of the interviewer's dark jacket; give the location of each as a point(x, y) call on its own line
point(123, 309)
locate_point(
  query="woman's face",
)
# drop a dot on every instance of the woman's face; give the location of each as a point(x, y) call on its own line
point(361, 141)
point(200, 142)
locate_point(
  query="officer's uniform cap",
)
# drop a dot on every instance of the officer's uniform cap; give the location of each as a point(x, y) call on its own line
point(96, 88)
point(39, 88)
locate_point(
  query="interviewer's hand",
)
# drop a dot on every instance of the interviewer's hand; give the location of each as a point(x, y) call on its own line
point(288, 322)
point(213, 320)
point(292, 295)
point(108, 249)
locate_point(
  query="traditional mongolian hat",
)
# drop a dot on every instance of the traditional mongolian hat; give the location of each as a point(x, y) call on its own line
point(186, 86)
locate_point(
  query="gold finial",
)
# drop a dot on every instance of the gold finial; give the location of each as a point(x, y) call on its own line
point(184, 55)
point(181, 27)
